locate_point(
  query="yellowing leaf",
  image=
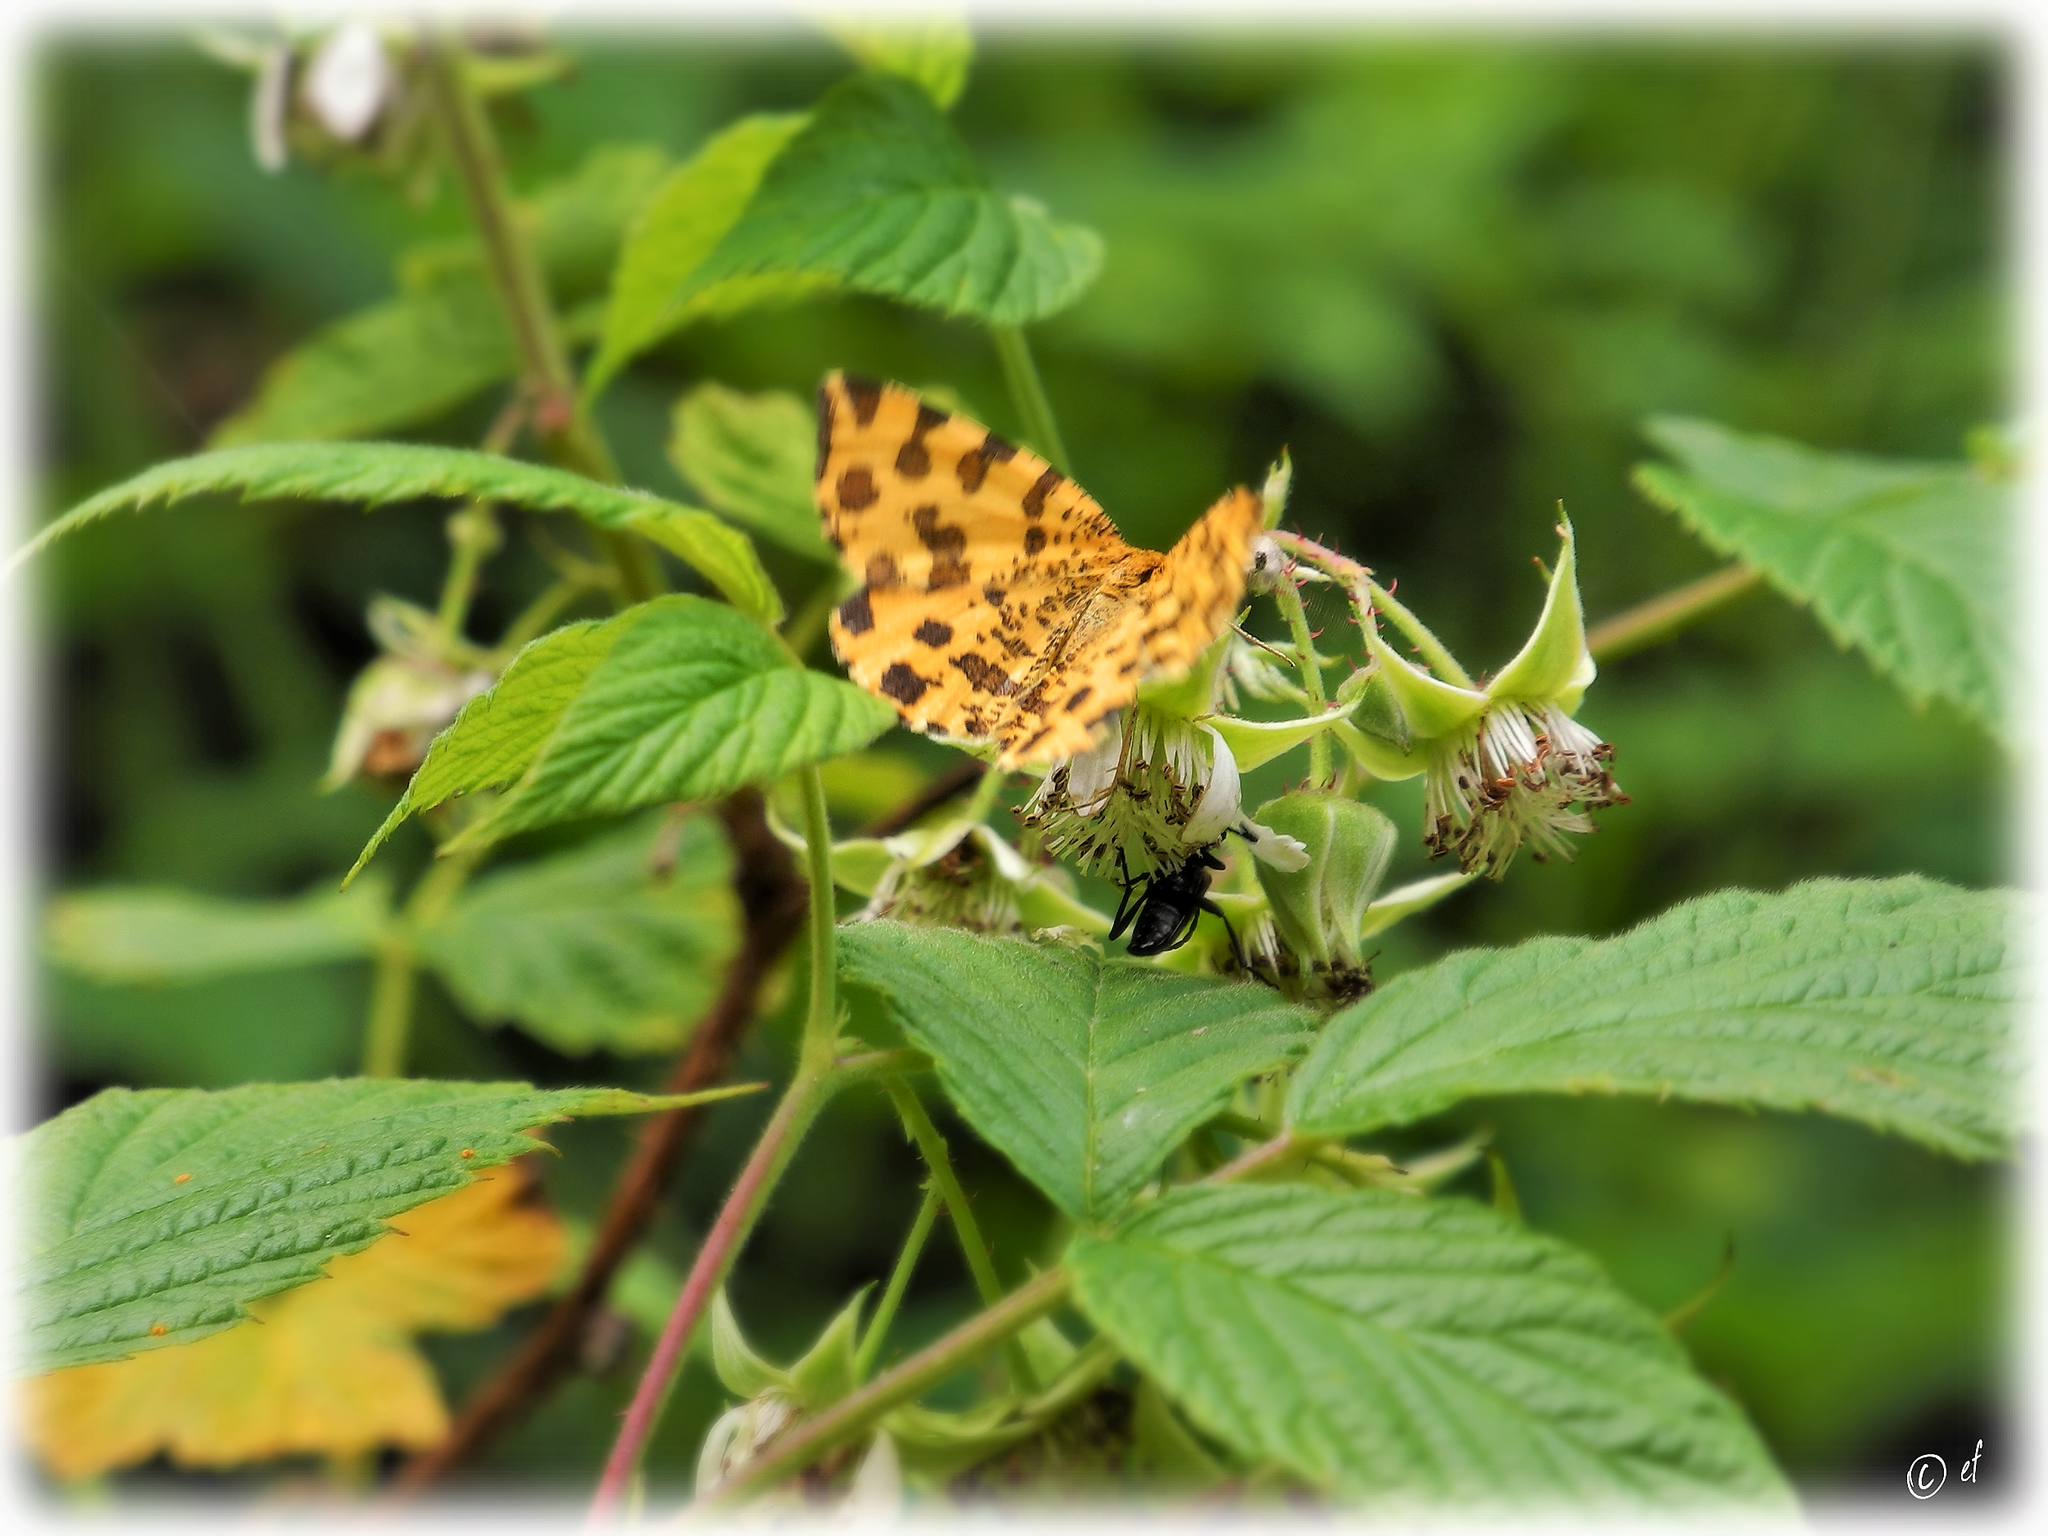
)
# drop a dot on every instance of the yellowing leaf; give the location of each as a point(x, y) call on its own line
point(328, 1368)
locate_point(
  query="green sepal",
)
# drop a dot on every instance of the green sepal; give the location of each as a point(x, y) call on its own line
point(1273, 494)
point(827, 1371)
point(1382, 759)
point(742, 1372)
point(1430, 706)
point(1554, 667)
point(1407, 900)
point(1253, 742)
point(1321, 908)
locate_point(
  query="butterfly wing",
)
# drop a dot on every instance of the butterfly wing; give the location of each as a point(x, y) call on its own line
point(1151, 617)
point(973, 554)
point(997, 602)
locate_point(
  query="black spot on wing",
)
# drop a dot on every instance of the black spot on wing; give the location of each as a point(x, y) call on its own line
point(866, 395)
point(913, 460)
point(1042, 487)
point(931, 632)
point(984, 675)
point(857, 614)
point(857, 489)
point(902, 684)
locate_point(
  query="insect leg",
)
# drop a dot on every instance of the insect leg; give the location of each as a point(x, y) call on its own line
point(1126, 913)
point(1236, 948)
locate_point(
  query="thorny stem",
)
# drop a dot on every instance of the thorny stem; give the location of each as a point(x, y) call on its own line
point(1665, 616)
point(812, 1084)
point(1288, 596)
point(933, 1148)
point(571, 439)
point(1368, 595)
point(899, 1282)
point(393, 984)
point(849, 1418)
point(1027, 393)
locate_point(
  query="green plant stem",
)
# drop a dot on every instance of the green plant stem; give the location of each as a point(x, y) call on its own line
point(940, 1163)
point(852, 1416)
point(899, 1282)
point(539, 614)
point(1288, 596)
point(472, 536)
point(570, 437)
point(393, 983)
point(812, 1084)
point(1027, 393)
point(389, 1024)
point(1671, 614)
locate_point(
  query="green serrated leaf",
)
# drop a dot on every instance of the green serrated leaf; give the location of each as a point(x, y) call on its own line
point(879, 194)
point(932, 50)
point(154, 1218)
point(377, 474)
point(500, 732)
point(1912, 563)
point(1889, 1002)
point(595, 948)
point(140, 936)
point(752, 457)
point(691, 701)
point(1085, 1072)
point(1395, 1351)
point(680, 225)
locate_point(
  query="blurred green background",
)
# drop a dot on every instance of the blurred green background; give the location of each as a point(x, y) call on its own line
point(1451, 276)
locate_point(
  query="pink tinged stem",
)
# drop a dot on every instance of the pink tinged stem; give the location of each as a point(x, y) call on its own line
point(714, 1259)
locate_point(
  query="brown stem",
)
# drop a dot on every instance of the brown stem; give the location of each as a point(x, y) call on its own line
point(963, 775)
point(773, 900)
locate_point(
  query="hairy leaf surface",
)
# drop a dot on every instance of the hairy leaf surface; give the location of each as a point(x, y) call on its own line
point(691, 702)
point(1889, 1002)
point(620, 944)
point(154, 1218)
point(1396, 1351)
point(380, 473)
point(501, 731)
point(1085, 1072)
point(878, 193)
point(1911, 563)
point(682, 224)
point(327, 1368)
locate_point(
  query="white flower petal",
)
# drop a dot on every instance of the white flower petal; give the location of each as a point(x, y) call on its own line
point(348, 81)
point(1221, 800)
point(1275, 848)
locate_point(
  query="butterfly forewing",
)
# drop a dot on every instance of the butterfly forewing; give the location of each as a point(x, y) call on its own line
point(997, 603)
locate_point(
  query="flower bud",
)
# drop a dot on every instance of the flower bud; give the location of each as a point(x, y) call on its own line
point(1319, 910)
